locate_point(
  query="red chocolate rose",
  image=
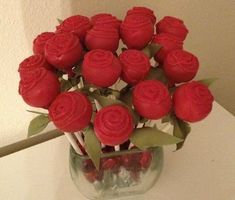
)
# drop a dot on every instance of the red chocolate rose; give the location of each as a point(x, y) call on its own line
point(172, 25)
point(71, 111)
point(77, 24)
point(151, 99)
point(32, 63)
point(113, 125)
point(63, 50)
point(142, 11)
point(101, 68)
point(145, 160)
point(180, 66)
point(40, 41)
point(168, 42)
point(39, 87)
point(192, 101)
point(136, 32)
point(105, 19)
point(135, 66)
point(102, 37)
point(94, 175)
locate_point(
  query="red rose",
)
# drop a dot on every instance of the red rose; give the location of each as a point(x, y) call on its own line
point(32, 63)
point(136, 32)
point(102, 37)
point(142, 11)
point(77, 24)
point(168, 42)
point(71, 111)
point(192, 101)
point(113, 125)
point(63, 50)
point(180, 66)
point(172, 25)
point(40, 41)
point(101, 68)
point(135, 66)
point(105, 19)
point(151, 99)
point(39, 87)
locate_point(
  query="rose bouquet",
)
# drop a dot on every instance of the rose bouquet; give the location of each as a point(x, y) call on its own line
point(107, 99)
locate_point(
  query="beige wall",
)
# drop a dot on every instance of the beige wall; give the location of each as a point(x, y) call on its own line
point(212, 38)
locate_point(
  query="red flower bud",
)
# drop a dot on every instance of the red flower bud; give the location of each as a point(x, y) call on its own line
point(172, 25)
point(105, 19)
point(136, 32)
point(101, 68)
point(113, 125)
point(135, 66)
point(40, 41)
point(142, 11)
point(192, 101)
point(39, 87)
point(77, 24)
point(151, 99)
point(33, 62)
point(71, 111)
point(102, 37)
point(180, 66)
point(63, 50)
point(168, 42)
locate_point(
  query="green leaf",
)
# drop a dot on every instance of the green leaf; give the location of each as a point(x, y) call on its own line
point(36, 112)
point(208, 81)
point(38, 124)
point(92, 146)
point(59, 20)
point(151, 49)
point(65, 85)
point(181, 130)
point(151, 137)
point(166, 119)
point(106, 101)
point(157, 74)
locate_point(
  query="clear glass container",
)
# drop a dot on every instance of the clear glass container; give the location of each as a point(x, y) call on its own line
point(123, 173)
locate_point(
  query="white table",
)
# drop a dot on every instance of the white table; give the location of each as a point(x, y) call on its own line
point(203, 170)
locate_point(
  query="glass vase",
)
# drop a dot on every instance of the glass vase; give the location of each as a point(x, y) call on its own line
point(124, 173)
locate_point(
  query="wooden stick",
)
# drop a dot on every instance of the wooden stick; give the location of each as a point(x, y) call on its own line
point(29, 142)
point(73, 142)
point(117, 148)
point(79, 138)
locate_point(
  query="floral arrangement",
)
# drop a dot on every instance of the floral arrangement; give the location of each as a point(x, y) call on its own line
point(105, 98)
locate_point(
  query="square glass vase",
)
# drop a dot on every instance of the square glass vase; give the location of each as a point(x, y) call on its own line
point(124, 173)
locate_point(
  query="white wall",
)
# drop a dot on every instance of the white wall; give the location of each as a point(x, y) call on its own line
point(212, 38)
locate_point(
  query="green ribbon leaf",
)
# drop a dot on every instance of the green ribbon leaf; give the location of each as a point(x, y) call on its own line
point(151, 137)
point(92, 146)
point(208, 81)
point(166, 119)
point(157, 74)
point(59, 20)
point(151, 49)
point(38, 124)
point(181, 130)
point(36, 112)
